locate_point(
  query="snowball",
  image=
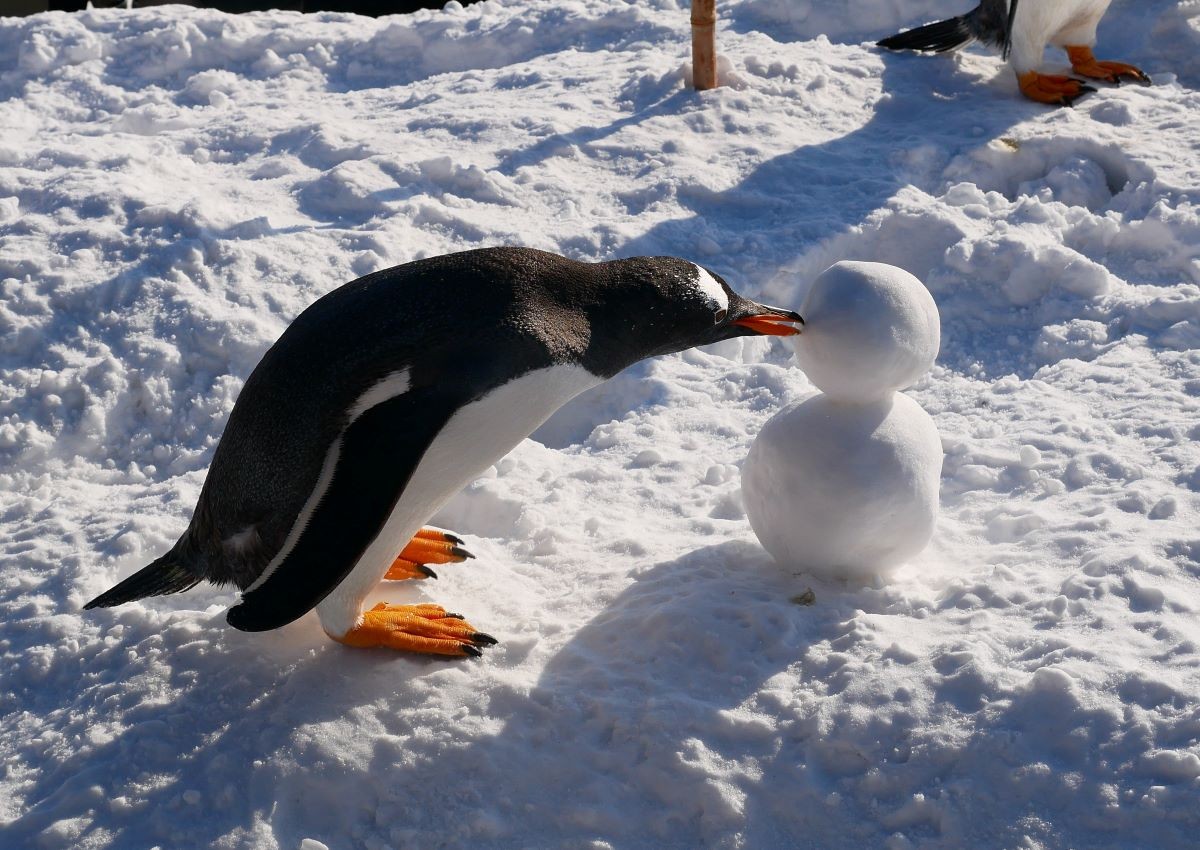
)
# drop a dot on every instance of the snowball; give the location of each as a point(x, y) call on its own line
point(843, 489)
point(870, 328)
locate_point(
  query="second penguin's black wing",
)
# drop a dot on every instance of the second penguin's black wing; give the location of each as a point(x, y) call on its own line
point(989, 22)
point(366, 471)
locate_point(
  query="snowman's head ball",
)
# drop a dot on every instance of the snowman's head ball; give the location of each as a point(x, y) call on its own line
point(870, 328)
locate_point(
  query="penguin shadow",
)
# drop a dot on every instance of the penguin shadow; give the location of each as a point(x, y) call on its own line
point(622, 727)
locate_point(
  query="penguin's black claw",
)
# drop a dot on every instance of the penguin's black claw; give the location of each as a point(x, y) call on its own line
point(1132, 75)
point(403, 569)
point(450, 616)
point(471, 651)
point(485, 640)
point(435, 547)
point(429, 546)
point(439, 536)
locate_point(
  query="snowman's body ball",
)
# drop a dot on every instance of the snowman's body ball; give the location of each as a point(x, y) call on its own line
point(844, 489)
point(870, 328)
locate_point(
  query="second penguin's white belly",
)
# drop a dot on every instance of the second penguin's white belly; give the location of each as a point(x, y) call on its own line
point(1046, 18)
point(474, 438)
point(1059, 22)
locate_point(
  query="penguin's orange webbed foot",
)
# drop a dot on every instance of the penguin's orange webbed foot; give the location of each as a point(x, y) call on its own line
point(1052, 89)
point(1087, 65)
point(429, 546)
point(427, 629)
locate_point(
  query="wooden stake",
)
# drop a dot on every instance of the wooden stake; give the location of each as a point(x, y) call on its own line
point(704, 44)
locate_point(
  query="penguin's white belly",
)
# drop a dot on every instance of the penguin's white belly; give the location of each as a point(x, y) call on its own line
point(474, 438)
point(1044, 21)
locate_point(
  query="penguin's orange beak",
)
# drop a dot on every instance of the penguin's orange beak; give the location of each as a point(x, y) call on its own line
point(776, 322)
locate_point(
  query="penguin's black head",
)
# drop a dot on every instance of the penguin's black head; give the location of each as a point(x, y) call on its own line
point(661, 305)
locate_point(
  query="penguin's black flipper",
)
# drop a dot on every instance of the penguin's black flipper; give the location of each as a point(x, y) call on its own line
point(162, 576)
point(375, 458)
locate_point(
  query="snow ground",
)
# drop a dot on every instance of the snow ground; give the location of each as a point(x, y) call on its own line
point(175, 185)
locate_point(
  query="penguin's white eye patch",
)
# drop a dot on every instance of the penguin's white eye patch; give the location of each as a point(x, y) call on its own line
point(712, 292)
point(720, 315)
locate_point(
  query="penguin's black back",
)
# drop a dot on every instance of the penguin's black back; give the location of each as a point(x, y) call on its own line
point(460, 324)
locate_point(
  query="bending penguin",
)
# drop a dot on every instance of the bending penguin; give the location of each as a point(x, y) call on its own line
point(1021, 29)
point(391, 393)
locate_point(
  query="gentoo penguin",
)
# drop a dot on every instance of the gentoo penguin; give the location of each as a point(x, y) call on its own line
point(391, 393)
point(1022, 29)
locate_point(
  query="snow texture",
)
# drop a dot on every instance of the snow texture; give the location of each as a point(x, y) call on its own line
point(177, 184)
point(845, 484)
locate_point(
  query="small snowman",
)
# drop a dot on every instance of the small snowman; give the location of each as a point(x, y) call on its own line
point(844, 484)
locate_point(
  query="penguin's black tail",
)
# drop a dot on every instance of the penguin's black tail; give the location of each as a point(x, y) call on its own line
point(162, 576)
point(941, 37)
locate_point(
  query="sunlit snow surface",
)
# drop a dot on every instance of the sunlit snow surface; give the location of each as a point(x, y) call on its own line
point(176, 185)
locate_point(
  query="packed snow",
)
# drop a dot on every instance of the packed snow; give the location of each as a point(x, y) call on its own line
point(177, 184)
point(844, 484)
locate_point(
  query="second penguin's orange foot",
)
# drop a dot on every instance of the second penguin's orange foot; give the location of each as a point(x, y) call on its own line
point(427, 629)
point(1084, 63)
point(430, 546)
point(1053, 89)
